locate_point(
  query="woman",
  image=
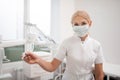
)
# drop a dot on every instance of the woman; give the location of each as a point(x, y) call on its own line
point(81, 52)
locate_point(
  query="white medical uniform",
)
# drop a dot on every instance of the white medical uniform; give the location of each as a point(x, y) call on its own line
point(80, 57)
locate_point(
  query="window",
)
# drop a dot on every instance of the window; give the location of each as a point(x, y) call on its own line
point(11, 19)
point(40, 14)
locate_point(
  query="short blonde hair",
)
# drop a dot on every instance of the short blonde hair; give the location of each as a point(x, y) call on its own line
point(83, 14)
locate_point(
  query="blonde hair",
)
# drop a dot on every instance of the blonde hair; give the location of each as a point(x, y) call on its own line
point(83, 14)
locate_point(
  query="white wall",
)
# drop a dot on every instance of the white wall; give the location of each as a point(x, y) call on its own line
point(55, 19)
point(66, 10)
point(105, 15)
point(61, 19)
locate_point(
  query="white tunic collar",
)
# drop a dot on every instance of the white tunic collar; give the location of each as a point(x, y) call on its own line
point(77, 37)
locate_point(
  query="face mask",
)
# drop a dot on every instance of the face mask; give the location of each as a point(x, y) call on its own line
point(81, 30)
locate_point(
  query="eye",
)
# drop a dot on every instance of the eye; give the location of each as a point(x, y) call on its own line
point(76, 24)
point(83, 23)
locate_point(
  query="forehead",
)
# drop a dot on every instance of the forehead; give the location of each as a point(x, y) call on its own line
point(79, 19)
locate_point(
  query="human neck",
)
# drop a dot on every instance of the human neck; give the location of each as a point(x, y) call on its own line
point(83, 38)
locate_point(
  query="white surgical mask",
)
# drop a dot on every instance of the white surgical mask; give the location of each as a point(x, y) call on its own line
point(81, 30)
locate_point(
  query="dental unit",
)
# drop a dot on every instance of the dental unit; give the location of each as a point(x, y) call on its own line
point(6, 76)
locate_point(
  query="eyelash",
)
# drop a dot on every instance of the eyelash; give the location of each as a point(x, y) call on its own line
point(83, 23)
point(76, 24)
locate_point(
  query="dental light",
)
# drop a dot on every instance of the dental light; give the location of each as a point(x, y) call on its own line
point(34, 34)
point(32, 28)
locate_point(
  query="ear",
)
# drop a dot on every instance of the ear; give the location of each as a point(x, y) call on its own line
point(90, 23)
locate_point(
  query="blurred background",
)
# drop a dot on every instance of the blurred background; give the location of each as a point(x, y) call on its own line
point(51, 20)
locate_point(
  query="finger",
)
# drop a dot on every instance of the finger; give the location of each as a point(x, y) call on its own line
point(29, 58)
point(28, 52)
point(26, 59)
point(32, 55)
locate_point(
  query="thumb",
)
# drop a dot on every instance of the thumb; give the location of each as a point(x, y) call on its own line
point(32, 55)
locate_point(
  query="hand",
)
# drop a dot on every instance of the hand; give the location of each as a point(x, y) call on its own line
point(31, 58)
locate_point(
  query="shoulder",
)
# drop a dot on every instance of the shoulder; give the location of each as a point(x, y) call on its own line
point(96, 46)
point(95, 42)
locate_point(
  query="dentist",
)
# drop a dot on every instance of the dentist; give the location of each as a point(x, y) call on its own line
point(80, 50)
